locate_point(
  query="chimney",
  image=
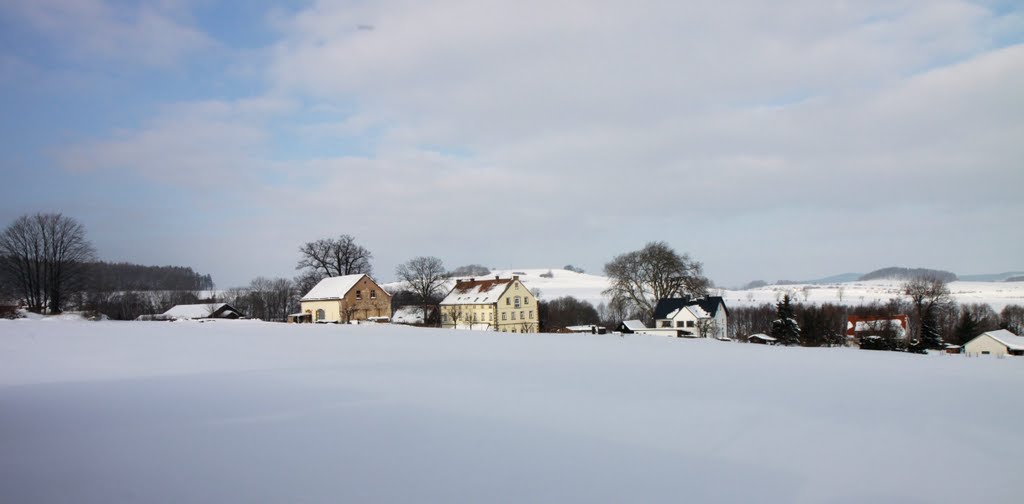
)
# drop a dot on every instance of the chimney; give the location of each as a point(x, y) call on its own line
point(515, 277)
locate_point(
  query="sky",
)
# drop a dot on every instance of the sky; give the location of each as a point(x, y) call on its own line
point(768, 140)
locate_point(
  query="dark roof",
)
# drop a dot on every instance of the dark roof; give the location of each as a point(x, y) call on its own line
point(709, 304)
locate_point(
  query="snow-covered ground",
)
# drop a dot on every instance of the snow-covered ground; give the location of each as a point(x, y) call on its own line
point(590, 287)
point(247, 411)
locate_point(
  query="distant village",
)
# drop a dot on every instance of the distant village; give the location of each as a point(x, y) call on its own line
point(652, 291)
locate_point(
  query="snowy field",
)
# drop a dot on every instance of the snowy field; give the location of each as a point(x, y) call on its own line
point(246, 411)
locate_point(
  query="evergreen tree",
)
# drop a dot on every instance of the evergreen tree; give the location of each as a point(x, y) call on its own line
point(784, 328)
point(967, 328)
point(931, 337)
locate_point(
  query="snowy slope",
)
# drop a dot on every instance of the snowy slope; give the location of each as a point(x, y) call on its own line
point(247, 411)
point(996, 294)
point(590, 287)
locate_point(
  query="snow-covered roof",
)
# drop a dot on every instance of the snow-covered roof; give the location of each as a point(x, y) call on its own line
point(634, 325)
point(333, 287)
point(706, 307)
point(1012, 341)
point(581, 328)
point(470, 292)
point(698, 312)
point(879, 325)
point(193, 311)
point(763, 337)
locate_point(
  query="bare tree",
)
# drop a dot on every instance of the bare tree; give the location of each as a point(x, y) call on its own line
point(335, 257)
point(424, 276)
point(44, 257)
point(455, 313)
point(707, 327)
point(927, 294)
point(644, 276)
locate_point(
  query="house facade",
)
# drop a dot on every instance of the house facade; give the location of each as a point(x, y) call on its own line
point(705, 317)
point(492, 304)
point(345, 299)
point(998, 343)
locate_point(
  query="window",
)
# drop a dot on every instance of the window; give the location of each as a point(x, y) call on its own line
point(320, 315)
point(373, 293)
point(359, 295)
point(517, 285)
point(680, 323)
point(521, 316)
point(503, 316)
point(513, 315)
point(666, 323)
point(518, 304)
point(508, 301)
point(531, 314)
point(689, 323)
point(526, 299)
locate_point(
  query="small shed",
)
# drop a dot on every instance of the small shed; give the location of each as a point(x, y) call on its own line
point(761, 339)
point(201, 311)
point(630, 326)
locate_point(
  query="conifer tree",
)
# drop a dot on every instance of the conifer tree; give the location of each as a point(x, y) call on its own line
point(784, 328)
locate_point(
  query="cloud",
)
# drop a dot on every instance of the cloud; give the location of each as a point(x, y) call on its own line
point(148, 34)
point(519, 134)
point(197, 144)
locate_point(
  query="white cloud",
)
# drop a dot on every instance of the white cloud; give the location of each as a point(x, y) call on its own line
point(577, 130)
point(149, 34)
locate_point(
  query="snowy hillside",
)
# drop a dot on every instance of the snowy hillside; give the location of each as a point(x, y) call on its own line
point(246, 411)
point(996, 294)
point(590, 287)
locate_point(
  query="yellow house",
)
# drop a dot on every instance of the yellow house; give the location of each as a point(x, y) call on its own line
point(493, 304)
point(345, 299)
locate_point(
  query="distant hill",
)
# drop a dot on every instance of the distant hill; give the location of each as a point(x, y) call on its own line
point(992, 277)
point(840, 278)
point(898, 273)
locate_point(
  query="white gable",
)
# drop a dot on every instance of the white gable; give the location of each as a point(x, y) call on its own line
point(1012, 341)
point(333, 287)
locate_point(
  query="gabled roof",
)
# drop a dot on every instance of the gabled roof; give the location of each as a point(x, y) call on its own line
point(196, 311)
point(633, 325)
point(469, 292)
point(333, 287)
point(669, 307)
point(761, 336)
point(1012, 341)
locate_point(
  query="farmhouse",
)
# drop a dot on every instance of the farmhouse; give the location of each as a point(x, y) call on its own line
point(493, 304)
point(889, 327)
point(346, 299)
point(1001, 342)
point(705, 317)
